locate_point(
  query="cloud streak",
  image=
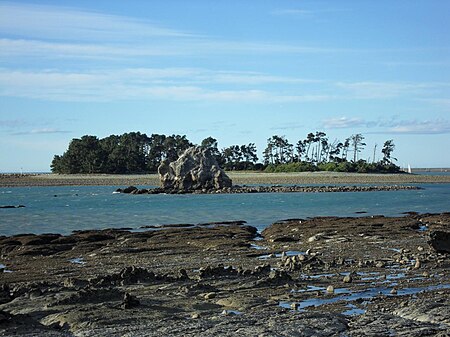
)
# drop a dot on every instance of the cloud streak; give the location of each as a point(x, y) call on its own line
point(392, 126)
point(57, 23)
point(185, 84)
point(53, 32)
point(43, 131)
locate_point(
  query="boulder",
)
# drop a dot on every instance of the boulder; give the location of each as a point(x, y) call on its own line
point(440, 241)
point(195, 169)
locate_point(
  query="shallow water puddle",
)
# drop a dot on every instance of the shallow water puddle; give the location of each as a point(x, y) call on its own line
point(279, 255)
point(257, 247)
point(317, 276)
point(348, 296)
point(423, 228)
point(232, 312)
point(353, 310)
point(77, 260)
point(3, 269)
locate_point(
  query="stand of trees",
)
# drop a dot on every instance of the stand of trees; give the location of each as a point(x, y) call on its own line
point(128, 153)
point(136, 152)
point(317, 153)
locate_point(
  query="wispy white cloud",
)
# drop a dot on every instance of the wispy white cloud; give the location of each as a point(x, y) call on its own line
point(343, 123)
point(390, 126)
point(375, 90)
point(50, 32)
point(31, 48)
point(186, 84)
point(43, 131)
point(425, 127)
point(64, 23)
point(50, 50)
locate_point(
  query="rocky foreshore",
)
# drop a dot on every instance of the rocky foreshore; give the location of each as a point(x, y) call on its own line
point(236, 189)
point(324, 276)
point(239, 178)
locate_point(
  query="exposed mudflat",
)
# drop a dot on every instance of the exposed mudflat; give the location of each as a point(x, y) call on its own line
point(239, 178)
point(367, 276)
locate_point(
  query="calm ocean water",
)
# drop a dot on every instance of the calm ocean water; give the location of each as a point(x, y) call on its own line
point(64, 209)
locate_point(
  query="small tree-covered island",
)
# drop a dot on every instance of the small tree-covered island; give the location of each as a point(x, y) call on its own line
point(136, 152)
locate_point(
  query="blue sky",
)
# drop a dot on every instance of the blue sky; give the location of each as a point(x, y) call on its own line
point(240, 71)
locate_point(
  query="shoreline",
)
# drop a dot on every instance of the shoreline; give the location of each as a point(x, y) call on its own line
point(308, 275)
point(238, 178)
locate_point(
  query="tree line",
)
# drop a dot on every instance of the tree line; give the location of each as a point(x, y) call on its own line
point(136, 152)
point(317, 153)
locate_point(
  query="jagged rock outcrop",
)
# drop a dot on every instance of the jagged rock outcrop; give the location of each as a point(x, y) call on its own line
point(195, 169)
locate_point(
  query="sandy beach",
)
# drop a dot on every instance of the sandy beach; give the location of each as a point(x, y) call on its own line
point(239, 178)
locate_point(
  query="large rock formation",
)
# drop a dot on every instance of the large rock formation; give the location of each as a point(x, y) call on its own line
point(195, 169)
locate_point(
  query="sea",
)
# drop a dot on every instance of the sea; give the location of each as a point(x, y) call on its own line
point(66, 209)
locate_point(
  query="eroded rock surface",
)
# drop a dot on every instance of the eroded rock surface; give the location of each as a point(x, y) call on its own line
point(364, 276)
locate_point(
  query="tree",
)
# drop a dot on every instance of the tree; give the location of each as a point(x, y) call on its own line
point(357, 145)
point(387, 150)
point(300, 148)
point(249, 155)
point(212, 144)
point(278, 150)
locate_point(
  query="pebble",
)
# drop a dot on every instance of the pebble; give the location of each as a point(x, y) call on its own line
point(294, 306)
point(394, 291)
point(380, 264)
point(209, 296)
point(417, 265)
point(330, 289)
point(195, 315)
point(347, 279)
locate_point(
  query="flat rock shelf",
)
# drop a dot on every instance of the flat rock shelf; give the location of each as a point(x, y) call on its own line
point(322, 276)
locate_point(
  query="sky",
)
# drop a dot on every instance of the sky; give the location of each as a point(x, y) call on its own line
point(239, 71)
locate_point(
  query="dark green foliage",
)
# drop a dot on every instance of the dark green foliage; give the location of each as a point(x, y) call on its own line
point(128, 153)
point(137, 153)
point(238, 158)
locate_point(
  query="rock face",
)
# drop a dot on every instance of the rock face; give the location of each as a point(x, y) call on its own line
point(440, 241)
point(195, 169)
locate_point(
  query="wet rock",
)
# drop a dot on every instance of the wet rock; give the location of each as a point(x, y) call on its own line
point(440, 241)
point(385, 324)
point(5, 294)
point(75, 283)
point(129, 301)
point(128, 275)
point(195, 169)
point(89, 295)
point(4, 317)
point(130, 190)
point(219, 271)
